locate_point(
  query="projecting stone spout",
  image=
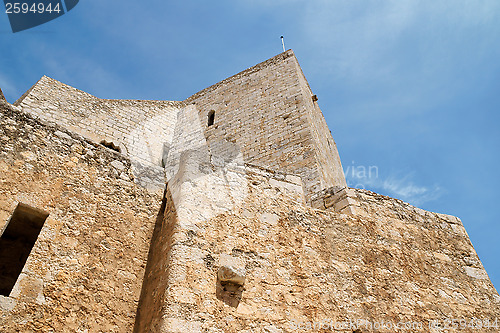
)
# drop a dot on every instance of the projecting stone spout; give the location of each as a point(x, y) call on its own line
point(230, 282)
point(231, 274)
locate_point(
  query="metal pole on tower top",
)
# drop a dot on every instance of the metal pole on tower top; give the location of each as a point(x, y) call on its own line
point(283, 43)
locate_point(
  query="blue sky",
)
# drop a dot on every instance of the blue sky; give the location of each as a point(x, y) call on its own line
point(410, 88)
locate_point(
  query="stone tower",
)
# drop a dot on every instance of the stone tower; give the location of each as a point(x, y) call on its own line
point(225, 212)
point(267, 112)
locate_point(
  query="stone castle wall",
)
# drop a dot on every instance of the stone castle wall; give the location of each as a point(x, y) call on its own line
point(260, 191)
point(307, 267)
point(138, 128)
point(85, 271)
point(178, 263)
point(266, 112)
point(326, 149)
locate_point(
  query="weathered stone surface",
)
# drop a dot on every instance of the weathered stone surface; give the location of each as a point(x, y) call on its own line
point(315, 266)
point(139, 128)
point(85, 270)
point(255, 230)
point(230, 273)
point(265, 114)
point(230, 282)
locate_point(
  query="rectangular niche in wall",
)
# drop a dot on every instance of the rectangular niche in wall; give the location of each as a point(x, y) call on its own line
point(16, 243)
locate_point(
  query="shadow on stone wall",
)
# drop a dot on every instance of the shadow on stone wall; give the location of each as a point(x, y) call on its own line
point(148, 317)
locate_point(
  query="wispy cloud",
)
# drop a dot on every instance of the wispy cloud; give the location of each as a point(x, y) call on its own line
point(405, 189)
point(400, 186)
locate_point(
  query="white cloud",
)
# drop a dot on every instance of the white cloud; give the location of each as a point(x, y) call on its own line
point(399, 186)
point(407, 190)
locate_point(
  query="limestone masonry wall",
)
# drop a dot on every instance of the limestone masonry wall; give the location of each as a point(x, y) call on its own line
point(85, 271)
point(139, 128)
point(267, 111)
point(175, 259)
point(326, 149)
point(243, 225)
point(307, 267)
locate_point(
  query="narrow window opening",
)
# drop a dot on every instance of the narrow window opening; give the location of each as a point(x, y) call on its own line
point(110, 145)
point(16, 242)
point(211, 118)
